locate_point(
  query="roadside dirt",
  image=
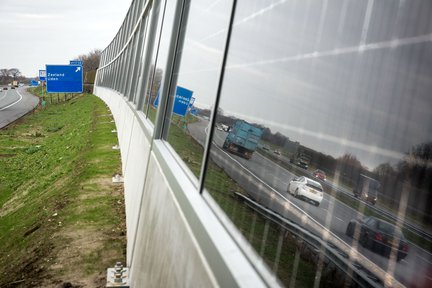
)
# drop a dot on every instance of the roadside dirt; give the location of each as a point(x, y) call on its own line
point(75, 255)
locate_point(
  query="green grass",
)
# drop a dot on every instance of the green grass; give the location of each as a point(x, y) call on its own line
point(51, 98)
point(249, 223)
point(58, 161)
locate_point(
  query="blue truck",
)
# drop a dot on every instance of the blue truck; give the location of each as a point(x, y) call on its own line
point(243, 139)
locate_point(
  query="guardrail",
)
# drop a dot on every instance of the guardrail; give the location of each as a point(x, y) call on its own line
point(337, 254)
point(409, 226)
point(349, 260)
point(390, 216)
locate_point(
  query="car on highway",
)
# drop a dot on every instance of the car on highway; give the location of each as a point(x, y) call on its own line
point(379, 236)
point(5, 88)
point(307, 189)
point(319, 174)
point(300, 162)
point(265, 148)
point(367, 189)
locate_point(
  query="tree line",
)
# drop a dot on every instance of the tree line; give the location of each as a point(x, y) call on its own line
point(9, 75)
point(409, 181)
point(90, 65)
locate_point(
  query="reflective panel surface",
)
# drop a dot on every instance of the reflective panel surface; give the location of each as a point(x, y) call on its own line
point(159, 54)
point(325, 119)
point(197, 79)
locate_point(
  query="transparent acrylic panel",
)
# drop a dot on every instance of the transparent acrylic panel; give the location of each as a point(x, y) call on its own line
point(325, 119)
point(143, 33)
point(197, 79)
point(160, 55)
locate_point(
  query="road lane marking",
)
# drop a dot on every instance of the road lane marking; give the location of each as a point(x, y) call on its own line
point(424, 259)
point(10, 105)
point(339, 219)
point(6, 91)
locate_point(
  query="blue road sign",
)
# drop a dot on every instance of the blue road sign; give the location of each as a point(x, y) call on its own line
point(42, 75)
point(156, 100)
point(64, 78)
point(182, 101)
point(194, 111)
point(75, 62)
point(34, 83)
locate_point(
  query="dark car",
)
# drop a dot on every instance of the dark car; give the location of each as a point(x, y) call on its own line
point(379, 236)
point(5, 88)
point(300, 163)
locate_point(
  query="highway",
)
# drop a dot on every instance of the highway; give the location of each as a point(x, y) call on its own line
point(14, 103)
point(416, 268)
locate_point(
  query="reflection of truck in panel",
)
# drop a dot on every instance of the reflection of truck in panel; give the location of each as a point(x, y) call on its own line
point(243, 139)
point(367, 188)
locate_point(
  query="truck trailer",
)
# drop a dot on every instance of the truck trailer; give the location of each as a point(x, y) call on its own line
point(243, 139)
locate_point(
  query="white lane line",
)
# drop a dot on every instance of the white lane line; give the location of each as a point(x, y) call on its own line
point(339, 219)
point(274, 190)
point(424, 259)
point(10, 105)
point(6, 91)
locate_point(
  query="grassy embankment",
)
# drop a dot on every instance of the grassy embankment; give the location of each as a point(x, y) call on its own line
point(61, 217)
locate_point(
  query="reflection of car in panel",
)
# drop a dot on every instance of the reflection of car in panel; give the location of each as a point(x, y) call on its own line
point(301, 160)
point(379, 236)
point(302, 163)
point(367, 188)
point(306, 188)
point(265, 148)
point(319, 174)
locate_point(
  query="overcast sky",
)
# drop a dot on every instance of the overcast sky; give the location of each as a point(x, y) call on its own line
point(337, 76)
point(35, 33)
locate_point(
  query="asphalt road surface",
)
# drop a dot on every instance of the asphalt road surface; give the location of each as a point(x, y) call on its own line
point(416, 268)
point(14, 103)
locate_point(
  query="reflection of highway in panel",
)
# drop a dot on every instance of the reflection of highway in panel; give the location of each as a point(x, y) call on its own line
point(15, 103)
point(332, 213)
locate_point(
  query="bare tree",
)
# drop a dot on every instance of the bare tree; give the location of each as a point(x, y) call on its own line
point(383, 170)
point(90, 60)
point(14, 72)
point(3, 76)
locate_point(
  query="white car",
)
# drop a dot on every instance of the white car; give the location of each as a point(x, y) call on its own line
point(306, 188)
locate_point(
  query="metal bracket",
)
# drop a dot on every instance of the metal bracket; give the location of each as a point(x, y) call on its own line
point(118, 276)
